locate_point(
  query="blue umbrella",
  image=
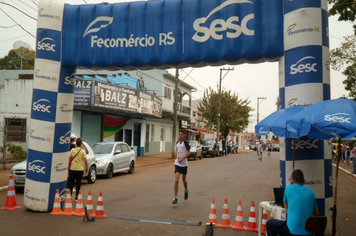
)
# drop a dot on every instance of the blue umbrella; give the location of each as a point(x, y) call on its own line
point(324, 120)
point(276, 122)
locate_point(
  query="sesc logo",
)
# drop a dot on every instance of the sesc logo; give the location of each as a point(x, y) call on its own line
point(263, 132)
point(338, 118)
point(41, 106)
point(37, 166)
point(218, 26)
point(46, 44)
point(65, 139)
point(70, 80)
point(299, 67)
point(304, 144)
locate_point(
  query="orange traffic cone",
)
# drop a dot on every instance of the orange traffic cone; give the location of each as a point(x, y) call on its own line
point(264, 221)
point(252, 226)
point(225, 221)
point(90, 205)
point(10, 203)
point(100, 207)
point(56, 205)
point(239, 221)
point(212, 214)
point(68, 209)
point(271, 217)
point(79, 211)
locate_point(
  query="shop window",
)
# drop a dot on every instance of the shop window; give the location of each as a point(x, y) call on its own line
point(152, 132)
point(167, 93)
point(15, 129)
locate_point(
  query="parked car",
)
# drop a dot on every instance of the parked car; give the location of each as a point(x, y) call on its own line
point(246, 147)
point(195, 150)
point(275, 147)
point(19, 170)
point(208, 148)
point(113, 157)
point(220, 153)
point(235, 147)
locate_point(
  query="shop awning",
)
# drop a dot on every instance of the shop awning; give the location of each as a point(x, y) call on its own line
point(193, 131)
point(201, 130)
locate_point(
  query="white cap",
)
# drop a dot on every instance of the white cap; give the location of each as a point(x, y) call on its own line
point(73, 136)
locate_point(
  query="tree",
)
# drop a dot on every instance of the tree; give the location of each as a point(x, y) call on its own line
point(234, 112)
point(345, 55)
point(13, 62)
point(345, 8)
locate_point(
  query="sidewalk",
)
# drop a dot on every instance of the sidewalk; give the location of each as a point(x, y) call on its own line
point(140, 161)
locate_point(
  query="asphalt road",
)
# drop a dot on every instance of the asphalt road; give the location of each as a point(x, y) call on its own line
point(148, 194)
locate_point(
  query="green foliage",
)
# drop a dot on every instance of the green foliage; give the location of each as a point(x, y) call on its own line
point(346, 9)
point(13, 62)
point(234, 112)
point(345, 55)
point(16, 151)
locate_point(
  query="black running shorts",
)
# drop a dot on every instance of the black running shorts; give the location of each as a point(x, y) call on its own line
point(182, 170)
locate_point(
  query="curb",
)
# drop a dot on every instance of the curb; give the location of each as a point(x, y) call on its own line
point(346, 171)
point(4, 188)
point(152, 163)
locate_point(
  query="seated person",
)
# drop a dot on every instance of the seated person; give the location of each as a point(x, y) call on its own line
point(301, 204)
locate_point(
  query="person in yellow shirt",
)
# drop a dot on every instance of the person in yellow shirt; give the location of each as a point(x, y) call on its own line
point(76, 170)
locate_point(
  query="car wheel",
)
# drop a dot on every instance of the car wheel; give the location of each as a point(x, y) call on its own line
point(195, 158)
point(91, 178)
point(110, 171)
point(204, 155)
point(132, 167)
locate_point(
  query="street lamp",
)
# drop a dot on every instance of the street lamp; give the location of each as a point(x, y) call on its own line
point(219, 105)
point(258, 107)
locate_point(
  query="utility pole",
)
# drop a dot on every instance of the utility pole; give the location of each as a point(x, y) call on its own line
point(219, 105)
point(258, 107)
point(175, 118)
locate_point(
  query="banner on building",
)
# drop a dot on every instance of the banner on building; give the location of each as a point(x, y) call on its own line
point(118, 98)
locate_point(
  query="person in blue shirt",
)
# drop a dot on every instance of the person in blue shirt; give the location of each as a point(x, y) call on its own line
point(301, 204)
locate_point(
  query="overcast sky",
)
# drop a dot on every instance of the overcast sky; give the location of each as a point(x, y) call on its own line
point(247, 80)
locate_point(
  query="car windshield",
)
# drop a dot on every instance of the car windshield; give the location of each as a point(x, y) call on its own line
point(102, 148)
point(193, 144)
point(208, 142)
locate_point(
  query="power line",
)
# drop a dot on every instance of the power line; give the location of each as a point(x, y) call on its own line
point(17, 23)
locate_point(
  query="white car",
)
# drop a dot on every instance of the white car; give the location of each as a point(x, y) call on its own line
point(113, 157)
point(19, 170)
point(195, 150)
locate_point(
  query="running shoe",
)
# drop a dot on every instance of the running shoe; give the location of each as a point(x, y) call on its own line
point(186, 194)
point(175, 200)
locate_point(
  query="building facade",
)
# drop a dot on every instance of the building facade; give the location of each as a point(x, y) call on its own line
point(146, 116)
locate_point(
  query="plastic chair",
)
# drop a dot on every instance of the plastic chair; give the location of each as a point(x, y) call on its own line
point(316, 225)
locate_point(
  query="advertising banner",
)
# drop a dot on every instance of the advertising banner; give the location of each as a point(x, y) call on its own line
point(124, 99)
point(151, 34)
point(83, 91)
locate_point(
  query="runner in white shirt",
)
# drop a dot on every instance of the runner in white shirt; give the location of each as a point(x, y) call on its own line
point(181, 166)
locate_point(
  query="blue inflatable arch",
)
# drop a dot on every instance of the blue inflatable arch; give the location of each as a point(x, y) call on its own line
point(172, 34)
